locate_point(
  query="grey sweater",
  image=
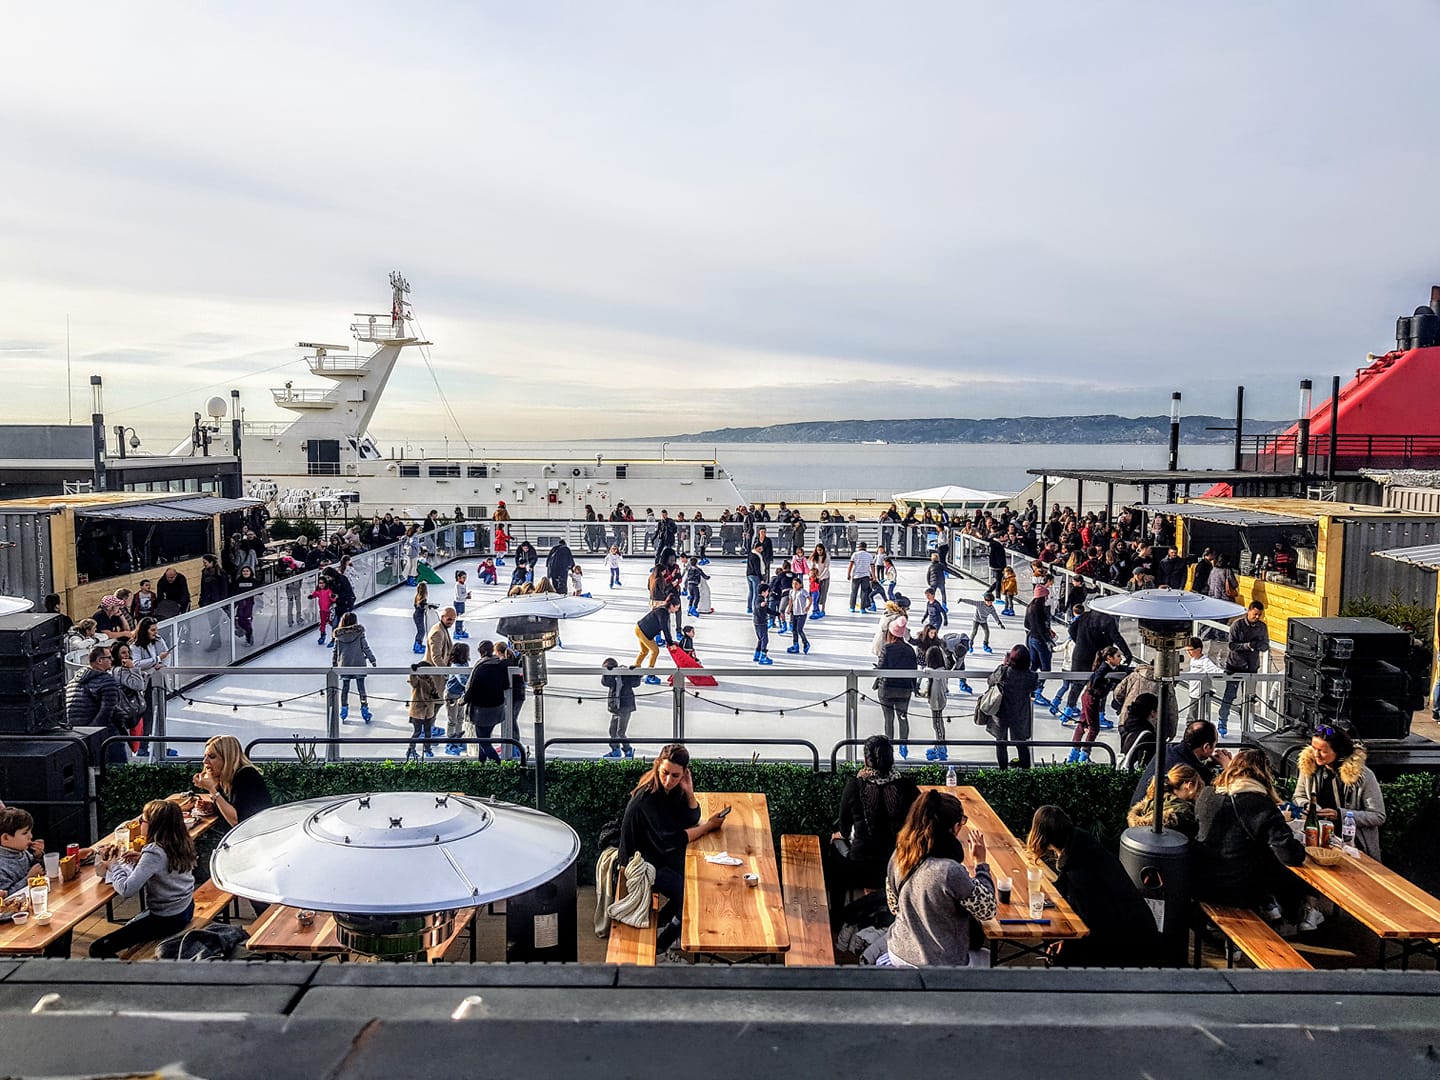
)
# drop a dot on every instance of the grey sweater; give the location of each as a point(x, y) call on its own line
point(14, 868)
point(933, 910)
point(167, 892)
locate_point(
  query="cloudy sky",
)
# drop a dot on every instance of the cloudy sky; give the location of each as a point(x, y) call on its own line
point(628, 219)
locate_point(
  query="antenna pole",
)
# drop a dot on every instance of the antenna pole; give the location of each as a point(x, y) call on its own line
point(69, 393)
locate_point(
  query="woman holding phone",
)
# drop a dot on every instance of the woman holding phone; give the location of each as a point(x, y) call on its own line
point(662, 817)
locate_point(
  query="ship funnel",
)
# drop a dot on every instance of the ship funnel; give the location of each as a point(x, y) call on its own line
point(1422, 329)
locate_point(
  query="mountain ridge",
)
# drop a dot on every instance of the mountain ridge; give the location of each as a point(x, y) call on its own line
point(1093, 428)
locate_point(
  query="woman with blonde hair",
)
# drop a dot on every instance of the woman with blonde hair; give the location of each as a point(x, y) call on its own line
point(1182, 788)
point(938, 904)
point(232, 780)
point(1245, 845)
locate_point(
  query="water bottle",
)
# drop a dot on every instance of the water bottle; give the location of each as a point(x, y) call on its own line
point(1347, 831)
point(952, 781)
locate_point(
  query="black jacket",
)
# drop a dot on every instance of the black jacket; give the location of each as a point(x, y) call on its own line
point(754, 567)
point(620, 685)
point(212, 587)
point(897, 654)
point(177, 591)
point(1037, 619)
point(655, 622)
point(1172, 572)
point(489, 680)
point(1242, 843)
point(1176, 753)
point(558, 565)
point(1092, 632)
point(654, 825)
point(998, 559)
point(1122, 929)
point(1247, 641)
point(871, 813)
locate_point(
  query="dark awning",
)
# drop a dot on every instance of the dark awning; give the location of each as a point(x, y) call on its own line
point(1224, 515)
point(213, 504)
point(142, 512)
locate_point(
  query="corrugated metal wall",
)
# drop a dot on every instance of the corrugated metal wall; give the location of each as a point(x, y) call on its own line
point(1414, 499)
point(1365, 575)
point(25, 569)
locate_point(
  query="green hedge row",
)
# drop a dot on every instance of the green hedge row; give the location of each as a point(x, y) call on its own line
point(586, 794)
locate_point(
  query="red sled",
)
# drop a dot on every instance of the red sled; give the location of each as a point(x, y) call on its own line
point(684, 660)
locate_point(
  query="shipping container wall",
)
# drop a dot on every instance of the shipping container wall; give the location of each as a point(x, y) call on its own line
point(26, 568)
point(1365, 575)
point(1415, 500)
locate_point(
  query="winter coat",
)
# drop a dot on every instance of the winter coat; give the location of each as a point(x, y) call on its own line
point(1242, 843)
point(90, 700)
point(872, 810)
point(558, 565)
point(351, 647)
point(1015, 705)
point(1341, 786)
point(1096, 886)
point(1247, 641)
point(1142, 681)
point(426, 694)
point(620, 687)
point(1090, 633)
point(892, 612)
point(897, 654)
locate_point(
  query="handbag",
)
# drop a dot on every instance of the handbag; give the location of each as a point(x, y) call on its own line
point(988, 705)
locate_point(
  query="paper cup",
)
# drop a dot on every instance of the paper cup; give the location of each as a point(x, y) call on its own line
point(752, 880)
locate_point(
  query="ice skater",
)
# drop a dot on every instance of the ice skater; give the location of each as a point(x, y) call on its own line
point(799, 610)
point(612, 563)
point(761, 618)
point(462, 593)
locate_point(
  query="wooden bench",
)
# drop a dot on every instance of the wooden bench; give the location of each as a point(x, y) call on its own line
point(211, 903)
point(1253, 936)
point(807, 908)
point(634, 944)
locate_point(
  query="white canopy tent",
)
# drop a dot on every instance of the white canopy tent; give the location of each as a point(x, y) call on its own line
point(951, 497)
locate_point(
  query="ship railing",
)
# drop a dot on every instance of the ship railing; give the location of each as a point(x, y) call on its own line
point(378, 328)
point(322, 365)
point(263, 429)
point(1277, 452)
point(291, 395)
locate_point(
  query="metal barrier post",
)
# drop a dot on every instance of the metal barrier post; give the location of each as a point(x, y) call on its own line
point(677, 706)
point(852, 712)
point(332, 713)
point(157, 720)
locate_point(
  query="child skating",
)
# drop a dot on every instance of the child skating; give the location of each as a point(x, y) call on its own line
point(462, 593)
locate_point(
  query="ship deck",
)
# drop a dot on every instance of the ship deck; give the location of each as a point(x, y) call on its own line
point(799, 697)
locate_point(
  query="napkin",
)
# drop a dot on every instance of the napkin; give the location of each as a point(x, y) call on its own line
point(723, 858)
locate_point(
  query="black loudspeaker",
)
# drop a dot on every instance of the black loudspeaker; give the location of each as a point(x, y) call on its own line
point(1348, 673)
point(32, 715)
point(21, 675)
point(29, 634)
point(49, 777)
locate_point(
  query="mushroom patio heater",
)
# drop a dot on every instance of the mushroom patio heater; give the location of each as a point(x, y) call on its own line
point(532, 623)
point(1157, 858)
point(397, 867)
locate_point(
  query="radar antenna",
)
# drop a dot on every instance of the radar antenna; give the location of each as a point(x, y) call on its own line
point(399, 289)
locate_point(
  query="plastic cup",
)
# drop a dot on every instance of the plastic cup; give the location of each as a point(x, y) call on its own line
point(52, 864)
point(1005, 889)
point(1037, 904)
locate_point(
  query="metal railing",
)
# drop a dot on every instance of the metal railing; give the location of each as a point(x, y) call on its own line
point(1277, 453)
point(660, 741)
point(846, 744)
point(303, 743)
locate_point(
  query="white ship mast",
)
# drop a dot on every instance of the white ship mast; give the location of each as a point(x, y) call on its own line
point(360, 382)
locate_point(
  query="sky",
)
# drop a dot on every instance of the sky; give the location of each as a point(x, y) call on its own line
point(632, 219)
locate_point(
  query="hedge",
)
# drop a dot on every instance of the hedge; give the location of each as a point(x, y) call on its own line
point(587, 794)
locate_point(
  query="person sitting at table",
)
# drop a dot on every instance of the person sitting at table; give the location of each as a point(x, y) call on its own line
point(873, 809)
point(164, 870)
point(661, 818)
point(1195, 748)
point(1092, 881)
point(19, 850)
point(1334, 776)
point(938, 905)
point(1140, 719)
point(232, 780)
point(1244, 844)
point(1182, 788)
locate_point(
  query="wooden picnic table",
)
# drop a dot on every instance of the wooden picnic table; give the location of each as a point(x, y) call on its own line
point(279, 931)
point(721, 913)
point(1392, 907)
point(71, 903)
point(1007, 858)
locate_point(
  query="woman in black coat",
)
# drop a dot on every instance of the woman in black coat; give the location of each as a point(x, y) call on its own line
point(1244, 844)
point(1092, 881)
point(1016, 717)
point(873, 808)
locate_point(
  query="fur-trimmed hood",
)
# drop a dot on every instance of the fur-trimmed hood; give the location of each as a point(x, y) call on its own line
point(1350, 769)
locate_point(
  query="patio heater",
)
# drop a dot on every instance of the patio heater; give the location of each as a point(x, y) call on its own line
point(1157, 858)
point(397, 867)
point(532, 623)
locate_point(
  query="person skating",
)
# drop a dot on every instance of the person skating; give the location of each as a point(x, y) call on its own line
point(760, 617)
point(799, 610)
point(654, 624)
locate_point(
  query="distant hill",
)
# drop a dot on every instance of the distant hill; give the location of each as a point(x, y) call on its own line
point(1138, 430)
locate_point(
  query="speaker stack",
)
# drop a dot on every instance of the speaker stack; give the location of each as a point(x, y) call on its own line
point(48, 776)
point(1347, 673)
point(32, 674)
